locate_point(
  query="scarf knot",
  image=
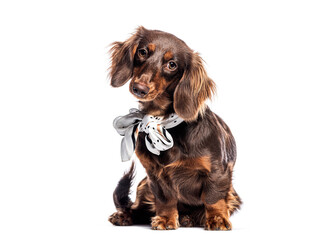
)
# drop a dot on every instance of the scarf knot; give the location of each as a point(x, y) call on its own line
point(157, 137)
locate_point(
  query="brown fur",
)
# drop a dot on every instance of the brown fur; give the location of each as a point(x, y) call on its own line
point(195, 87)
point(202, 163)
point(168, 55)
point(190, 184)
point(152, 47)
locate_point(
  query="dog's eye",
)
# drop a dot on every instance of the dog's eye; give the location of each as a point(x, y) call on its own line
point(172, 65)
point(142, 52)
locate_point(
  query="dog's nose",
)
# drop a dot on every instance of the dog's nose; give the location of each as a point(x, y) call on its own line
point(140, 90)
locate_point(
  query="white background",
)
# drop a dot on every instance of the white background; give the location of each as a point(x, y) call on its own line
point(60, 154)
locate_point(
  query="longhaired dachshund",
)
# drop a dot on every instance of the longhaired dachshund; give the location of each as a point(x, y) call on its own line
point(189, 184)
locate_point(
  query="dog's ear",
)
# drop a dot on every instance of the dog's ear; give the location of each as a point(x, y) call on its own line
point(193, 89)
point(122, 57)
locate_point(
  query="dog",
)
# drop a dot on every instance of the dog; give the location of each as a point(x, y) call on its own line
point(189, 184)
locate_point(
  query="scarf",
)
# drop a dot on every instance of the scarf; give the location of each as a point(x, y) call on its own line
point(157, 137)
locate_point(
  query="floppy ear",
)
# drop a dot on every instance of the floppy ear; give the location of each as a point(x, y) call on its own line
point(192, 91)
point(122, 57)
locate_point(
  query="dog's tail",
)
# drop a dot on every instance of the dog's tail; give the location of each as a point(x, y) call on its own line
point(121, 194)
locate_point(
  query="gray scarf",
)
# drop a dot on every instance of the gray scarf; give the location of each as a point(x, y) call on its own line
point(157, 137)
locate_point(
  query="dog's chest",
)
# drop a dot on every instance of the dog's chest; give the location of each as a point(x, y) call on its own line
point(185, 178)
point(176, 173)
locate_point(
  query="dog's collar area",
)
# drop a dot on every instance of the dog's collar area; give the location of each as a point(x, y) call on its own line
point(157, 138)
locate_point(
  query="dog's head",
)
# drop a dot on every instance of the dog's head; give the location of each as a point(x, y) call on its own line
point(161, 66)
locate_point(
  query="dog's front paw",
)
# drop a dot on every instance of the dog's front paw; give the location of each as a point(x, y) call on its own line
point(121, 219)
point(218, 222)
point(163, 223)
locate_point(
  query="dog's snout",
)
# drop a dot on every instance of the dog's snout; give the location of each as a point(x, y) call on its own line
point(140, 90)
